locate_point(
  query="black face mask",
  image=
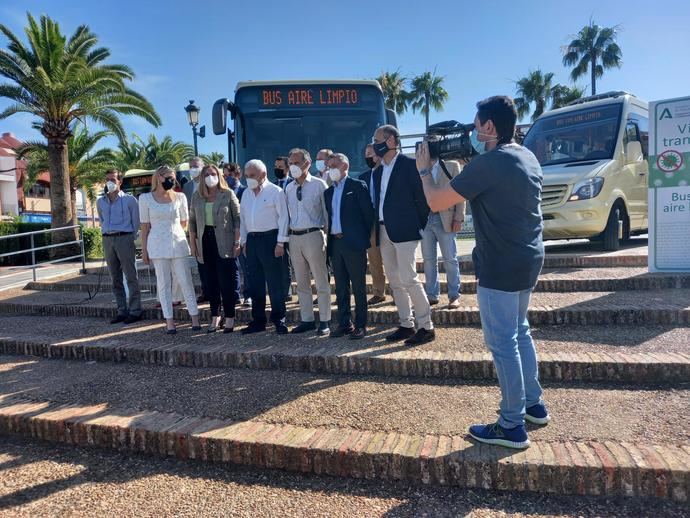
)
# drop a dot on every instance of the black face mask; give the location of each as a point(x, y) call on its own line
point(381, 149)
point(168, 184)
point(371, 163)
point(280, 173)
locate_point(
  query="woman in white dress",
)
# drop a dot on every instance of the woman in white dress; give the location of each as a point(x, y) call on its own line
point(163, 213)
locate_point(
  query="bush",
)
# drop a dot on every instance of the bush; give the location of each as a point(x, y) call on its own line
point(93, 243)
point(19, 243)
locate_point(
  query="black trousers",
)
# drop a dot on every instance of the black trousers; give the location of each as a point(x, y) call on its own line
point(220, 273)
point(265, 268)
point(286, 271)
point(350, 271)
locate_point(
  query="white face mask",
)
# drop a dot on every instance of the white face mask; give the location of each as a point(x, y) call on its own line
point(296, 171)
point(194, 171)
point(252, 183)
point(110, 186)
point(211, 181)
point(334, 174)
point(321, 165)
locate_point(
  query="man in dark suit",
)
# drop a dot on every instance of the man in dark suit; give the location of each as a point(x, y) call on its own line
point(350, 219)
point(281, 170)
point(402, 213)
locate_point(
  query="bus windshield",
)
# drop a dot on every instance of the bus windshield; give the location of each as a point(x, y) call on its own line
point(276, 119)
point(588, 134)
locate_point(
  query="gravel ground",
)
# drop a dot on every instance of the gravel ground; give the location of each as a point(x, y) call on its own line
point(551, 339)
point(37, 479)
point(580, 412)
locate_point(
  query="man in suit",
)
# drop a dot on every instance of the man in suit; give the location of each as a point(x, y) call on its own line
point(196, 164)
point(281, 170)
point(374, 253)
point(350, 219)
point(402, 214)
point(440, 232)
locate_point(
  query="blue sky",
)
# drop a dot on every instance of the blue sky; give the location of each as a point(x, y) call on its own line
point(200, 50)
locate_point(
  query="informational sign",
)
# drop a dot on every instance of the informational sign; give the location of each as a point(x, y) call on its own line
point(669, 185)
point(283, 97)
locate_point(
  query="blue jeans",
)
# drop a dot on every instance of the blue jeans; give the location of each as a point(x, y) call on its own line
point(434, 235)
point(507, 335)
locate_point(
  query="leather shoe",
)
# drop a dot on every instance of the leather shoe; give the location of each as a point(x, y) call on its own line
point(118, 319)
point(132, 318)
point(324, 329)
point(303, 327)
point(422, 336)
point(376, 299)
point(342, 331)
point(432, 301)
point(281, 329)
point(454, 303)
point(402, 333)
point(201, 299)
point(253, 328)
point(358, 333)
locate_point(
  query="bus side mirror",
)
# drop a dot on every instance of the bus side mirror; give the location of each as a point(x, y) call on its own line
point(220, 116)
point(391, 117)
point(633, 152)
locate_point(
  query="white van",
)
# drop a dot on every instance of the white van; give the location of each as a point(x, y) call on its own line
point(593, 154)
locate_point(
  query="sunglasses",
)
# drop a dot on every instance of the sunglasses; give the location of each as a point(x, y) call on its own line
point(299, 193)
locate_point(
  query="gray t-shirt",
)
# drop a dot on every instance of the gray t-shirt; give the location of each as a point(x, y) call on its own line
point(503, 187)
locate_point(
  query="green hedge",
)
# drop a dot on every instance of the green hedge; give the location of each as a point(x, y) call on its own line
point(19, 243)
point(93, 243)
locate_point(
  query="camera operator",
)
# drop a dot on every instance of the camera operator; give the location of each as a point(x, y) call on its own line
point(503, 186)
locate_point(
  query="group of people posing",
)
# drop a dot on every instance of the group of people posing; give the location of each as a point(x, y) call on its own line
point(336, 220)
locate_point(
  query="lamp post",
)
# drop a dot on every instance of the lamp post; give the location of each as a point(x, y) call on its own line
point(193, 119)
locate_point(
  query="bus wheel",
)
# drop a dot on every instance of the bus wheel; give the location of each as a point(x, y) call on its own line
point(611, 243)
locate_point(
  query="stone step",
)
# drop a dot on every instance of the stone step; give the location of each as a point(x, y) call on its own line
point(551, 280)
point(613, 442)
point(651, 354)
point(583, 308)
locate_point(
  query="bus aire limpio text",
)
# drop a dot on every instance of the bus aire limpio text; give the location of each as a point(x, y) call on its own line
point(301, 97)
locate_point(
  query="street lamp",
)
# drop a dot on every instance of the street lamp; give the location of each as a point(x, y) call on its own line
point(193, 119)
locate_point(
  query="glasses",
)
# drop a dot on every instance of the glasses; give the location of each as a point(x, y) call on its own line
point(299, 193)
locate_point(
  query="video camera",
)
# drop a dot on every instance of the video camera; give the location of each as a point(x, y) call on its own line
point(449, 140)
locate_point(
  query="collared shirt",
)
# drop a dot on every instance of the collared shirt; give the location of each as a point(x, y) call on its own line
point(385, 177)
point(310, 211)
point(282, 183)
point(338, 188)
point(435, 170)
point(264, 211)
point(121, 215)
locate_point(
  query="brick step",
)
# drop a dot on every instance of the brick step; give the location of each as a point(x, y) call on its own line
point(643, 355)
point(563, 280)
point(354, 428)
point(583, 308)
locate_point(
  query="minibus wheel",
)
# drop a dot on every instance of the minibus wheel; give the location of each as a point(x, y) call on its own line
point(610, 233)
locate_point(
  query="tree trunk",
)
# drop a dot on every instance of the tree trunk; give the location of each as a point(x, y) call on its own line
point(60, 209)
point(426, 101)
point(593, 66)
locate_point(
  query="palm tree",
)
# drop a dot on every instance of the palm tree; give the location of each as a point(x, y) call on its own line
point(213, 158)
point(562, 95)
point(533, 89)
point(61, 80)
point(394, 93)
point(428, 92)
point(595, 49)
point(130, 154)
point(86, 167)
point(165, 151)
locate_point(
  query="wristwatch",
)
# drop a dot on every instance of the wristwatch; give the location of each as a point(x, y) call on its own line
point(424, 172)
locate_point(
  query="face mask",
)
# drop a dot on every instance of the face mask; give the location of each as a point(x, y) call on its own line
point(296, 171)
point(252, 183)
point(232, 182)
point(280, 173)
point(110, 186)
point(381, 149)
point(334, 174)
point(211, 181)
point(479, 146)
point(168, 183)
point(321, 165)
point(194, 171)
point(371, 163)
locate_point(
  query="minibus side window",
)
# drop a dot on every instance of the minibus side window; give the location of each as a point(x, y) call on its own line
point(637, 128)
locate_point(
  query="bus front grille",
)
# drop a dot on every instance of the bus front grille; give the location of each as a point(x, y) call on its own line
point(553, 195)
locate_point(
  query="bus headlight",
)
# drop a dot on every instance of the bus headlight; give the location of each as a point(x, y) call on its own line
point(587, 189)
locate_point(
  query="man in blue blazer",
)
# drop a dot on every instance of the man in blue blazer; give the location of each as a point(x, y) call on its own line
point(350, 219)
point(402, 213)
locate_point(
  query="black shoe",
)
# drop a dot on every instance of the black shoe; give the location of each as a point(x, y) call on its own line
point(376, 299)
point(253, 328)
point(201, 299)
point(172, 331)
point(281, 329)
point(324, 329)
point(228, 330)
point(196, 328)
point(342, 331)
point(316, 301)
point(211, 329)
point(432, 301)
point(288, 298)
point(132, 318)
point(402, 333)
point(358, 333)
point(118, 319)
point(247, 303)
point(423, 336)
point(303, 327)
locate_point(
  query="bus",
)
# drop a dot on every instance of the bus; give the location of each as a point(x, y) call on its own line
point(272, 117)
point(138, 181)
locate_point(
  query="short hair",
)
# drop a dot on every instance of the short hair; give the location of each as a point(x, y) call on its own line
point(257, 164)
point(162, 169)
point(328, 152)
point(388, 130)
point(197, 158)
point(305, 154)
point(222, 184)
point(340, 156)
point(114, 171)
point(500, 109)
point(369, 145)
point(283, 159)
point(233, 166)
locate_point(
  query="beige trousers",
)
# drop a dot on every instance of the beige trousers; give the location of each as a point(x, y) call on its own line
point(376, 267)
point(308, 257)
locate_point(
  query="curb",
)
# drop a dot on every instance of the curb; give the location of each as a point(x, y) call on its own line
point(577, 468)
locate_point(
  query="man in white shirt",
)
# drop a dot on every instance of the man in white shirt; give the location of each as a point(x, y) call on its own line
point(308, 219)
point(321, 159)
point(263, 234)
